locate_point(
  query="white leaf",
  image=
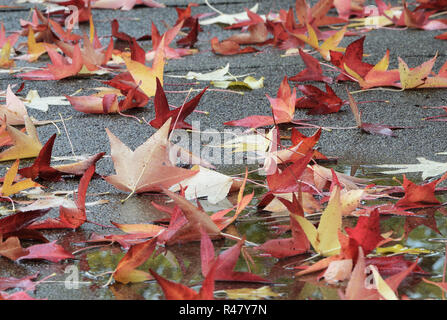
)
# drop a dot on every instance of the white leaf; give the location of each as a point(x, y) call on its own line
point(229, 18)
point(248, 82)
point(207, 183)
point(427, 167)
point(36, 102)
point(217, 75)
point(221, 74)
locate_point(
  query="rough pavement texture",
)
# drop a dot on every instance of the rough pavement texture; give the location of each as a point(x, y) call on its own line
point(88, 136)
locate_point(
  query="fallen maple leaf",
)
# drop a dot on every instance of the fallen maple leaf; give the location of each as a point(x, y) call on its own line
point(206, 183)
point(20, 220)
point(428, 168)
point(367, 231)
point(365, 74)
point(177, 115)
point(80, 167)
point(60, 67)
point(14, 110)
point(313, 71)
point(126, 271)
point(47, 251)
point(24, 283)
point(330, 44)
point(338, 270)
point(35, 49)
point(178, 291)
point(41, 166)
point(225, 262)
point(316, 15)
point(24, 145)
point(324, 239)
point(253, 19)
point(164, 41)
point(5, 53)
point(298, 243)
point(146, 169)
point(381, 289)
point(64, 35)
point(188, 222)
point(124, 240)
point(229, 47)
point(145, 77)
point(353, 58)
point(92, 57)
point(419, 19)
point(8, 188)
point(419, 195)
point(413, 78)
point(283, 109)
point(257, 34)
point(391, 265)
point(192, 37)
point(425, 217)
point(11, 39)
point(125, 5)
point(12, 249)
point(34, 101)
point(318, 101)
point(230, 18)
point(69, 217)
point(150, 230)
point(372, 128)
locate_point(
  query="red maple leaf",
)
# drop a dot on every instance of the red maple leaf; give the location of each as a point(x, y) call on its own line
point(59, 69)
point(41, 167)
point(288, 180)
point(20, 220)
point(70, 218)
point(352, 57)
point(313, 71)
point(47, 251)
point(225, 262)
point(417, 196)
point(298, 243)
point(177, 291)
point(229, 47)
point(367, 231)
point(318, 101)
point(178, 115)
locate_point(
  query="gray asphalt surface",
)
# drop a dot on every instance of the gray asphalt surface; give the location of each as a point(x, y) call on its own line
point(87, 132)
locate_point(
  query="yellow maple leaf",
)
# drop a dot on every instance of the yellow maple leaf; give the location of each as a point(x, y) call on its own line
point(145, 76)
point(250, 293)
point(412, 78)
point(382, 287)
point(5, 53)
point(8, 188)
point(25, 145)
point(324, 240)
point(378, 76)
point(35, 50)
point(330, 44)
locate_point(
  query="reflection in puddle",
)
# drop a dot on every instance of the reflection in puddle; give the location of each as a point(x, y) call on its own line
point(182, 263)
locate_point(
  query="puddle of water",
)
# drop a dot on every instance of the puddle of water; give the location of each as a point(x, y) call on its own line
point(181, 263)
